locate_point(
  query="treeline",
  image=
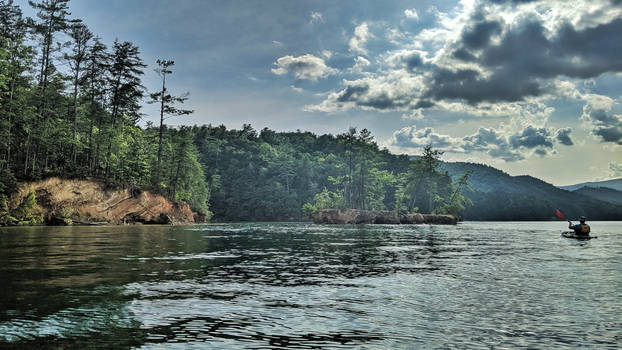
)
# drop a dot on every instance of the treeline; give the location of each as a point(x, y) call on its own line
point(70, 106)
point(270, 175)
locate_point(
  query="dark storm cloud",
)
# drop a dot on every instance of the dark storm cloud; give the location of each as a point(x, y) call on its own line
point(424, 104)
point(541, 152)
point(577, 54)
point(360, 94)
point(413, 60)
point(469, 85)
point(532, 137)
point(563, 136)
point(605, 124)
point(463, 54)
point(609, 134)
point(524, 59)
point(478, 36)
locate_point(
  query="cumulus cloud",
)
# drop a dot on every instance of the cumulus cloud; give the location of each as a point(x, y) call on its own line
point(532, 137)
point(411, 137)
point(303, 67)
point(492, 142)
point(406, 59)
point(616, 169)
point(411, 14)
point(396, 90)
point(358, 41)
point(488, 55)
point(501, 144)
point(360, 63)
point(563, 136)
point(525, 59)
point(605, 125)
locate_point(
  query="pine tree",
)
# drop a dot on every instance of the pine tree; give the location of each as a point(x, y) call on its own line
point(80, 36)
point(167, 108)
point(126, 90)
point(15, 62)
point(98, 65)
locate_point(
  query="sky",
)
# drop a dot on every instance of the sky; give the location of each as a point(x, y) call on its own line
point(529, 87)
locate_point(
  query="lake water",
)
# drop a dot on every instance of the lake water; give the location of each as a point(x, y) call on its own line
point(298, 285)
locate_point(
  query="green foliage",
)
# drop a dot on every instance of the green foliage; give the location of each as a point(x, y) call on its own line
point(26, 212)
point(324, 200)
point(81, 120)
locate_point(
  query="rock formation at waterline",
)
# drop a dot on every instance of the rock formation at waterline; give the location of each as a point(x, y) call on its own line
point(354, 216)
point(63, 201)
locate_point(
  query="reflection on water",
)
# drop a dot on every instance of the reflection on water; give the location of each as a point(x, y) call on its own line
point(307, 286)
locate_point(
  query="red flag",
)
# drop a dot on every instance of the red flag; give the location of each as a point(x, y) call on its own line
point(560, 215)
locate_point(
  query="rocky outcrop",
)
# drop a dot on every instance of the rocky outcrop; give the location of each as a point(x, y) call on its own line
point(91, 202)
point(354, 216)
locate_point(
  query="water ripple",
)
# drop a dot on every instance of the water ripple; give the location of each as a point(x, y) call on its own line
point(302, 286)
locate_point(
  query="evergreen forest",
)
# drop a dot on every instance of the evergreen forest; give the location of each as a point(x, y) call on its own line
point(70, 106)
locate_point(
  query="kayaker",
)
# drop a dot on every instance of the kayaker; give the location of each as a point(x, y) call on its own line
point(581, 229)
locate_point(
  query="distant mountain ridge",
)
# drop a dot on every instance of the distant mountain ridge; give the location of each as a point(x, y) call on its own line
point(615, 184)
point(603, 193)
point(497, 195)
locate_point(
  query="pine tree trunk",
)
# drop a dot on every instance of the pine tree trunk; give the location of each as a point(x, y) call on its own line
point(161, 130)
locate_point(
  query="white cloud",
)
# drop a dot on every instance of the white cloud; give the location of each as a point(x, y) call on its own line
point(616, 169)
point(327, 54)
point(605, 125)
point(507, 143)
point(411, 13)
point(277, 43)
point(317, 17)
point(303, 67)
point(360, 63)
point(392, 90)
point(358, 41)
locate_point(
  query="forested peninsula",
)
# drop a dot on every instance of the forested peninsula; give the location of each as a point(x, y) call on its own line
point(70, 109)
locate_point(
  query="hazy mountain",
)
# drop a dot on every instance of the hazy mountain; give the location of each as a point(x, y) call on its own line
point(616, 184)
point(601, 193)
point(499, 196)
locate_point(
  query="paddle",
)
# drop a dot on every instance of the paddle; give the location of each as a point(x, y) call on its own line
point(561, 215)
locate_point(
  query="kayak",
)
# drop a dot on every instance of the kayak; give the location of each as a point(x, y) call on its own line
point(572, 234)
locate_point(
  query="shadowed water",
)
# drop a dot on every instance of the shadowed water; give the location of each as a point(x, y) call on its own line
point(275, 285)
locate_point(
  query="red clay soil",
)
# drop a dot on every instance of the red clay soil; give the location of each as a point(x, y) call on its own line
point(90, 201)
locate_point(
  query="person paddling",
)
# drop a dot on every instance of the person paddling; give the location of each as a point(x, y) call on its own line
point(581, 229)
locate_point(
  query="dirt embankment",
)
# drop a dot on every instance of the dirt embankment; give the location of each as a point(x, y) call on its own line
point(91, 202)
point(354, 216)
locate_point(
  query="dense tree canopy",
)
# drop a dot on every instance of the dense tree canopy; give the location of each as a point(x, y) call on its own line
point(85, 120)
point(82, 120)
point(287, 175)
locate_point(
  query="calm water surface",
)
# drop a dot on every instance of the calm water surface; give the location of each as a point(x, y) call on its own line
point(283, 285)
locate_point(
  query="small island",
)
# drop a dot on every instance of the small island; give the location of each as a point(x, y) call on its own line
point(353, 216)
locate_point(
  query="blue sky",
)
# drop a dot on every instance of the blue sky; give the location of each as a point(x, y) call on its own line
point(530, 87)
